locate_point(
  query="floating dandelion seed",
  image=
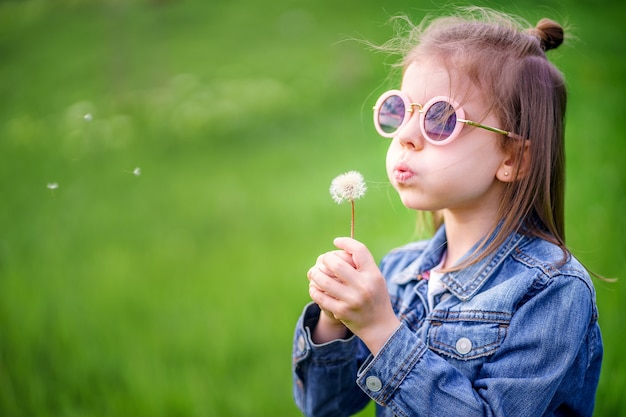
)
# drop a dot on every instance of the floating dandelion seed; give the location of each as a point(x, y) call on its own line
point(348, 187)
point(52, 186)
point(136, 172)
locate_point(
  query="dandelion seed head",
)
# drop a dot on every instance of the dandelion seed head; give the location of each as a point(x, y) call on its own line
point(347, 187)
point(52, 185)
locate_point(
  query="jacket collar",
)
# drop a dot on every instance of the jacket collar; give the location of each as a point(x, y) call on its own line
point(464, 284)
point(428, 258)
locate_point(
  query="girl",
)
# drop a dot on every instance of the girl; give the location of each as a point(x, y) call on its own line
point(492, 316)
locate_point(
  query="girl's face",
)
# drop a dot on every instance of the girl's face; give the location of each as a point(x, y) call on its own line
point(459, 176)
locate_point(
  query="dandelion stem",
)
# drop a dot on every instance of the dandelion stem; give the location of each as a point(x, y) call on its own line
point(352, 220)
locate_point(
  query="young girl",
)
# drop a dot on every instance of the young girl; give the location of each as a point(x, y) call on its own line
point(492, 316)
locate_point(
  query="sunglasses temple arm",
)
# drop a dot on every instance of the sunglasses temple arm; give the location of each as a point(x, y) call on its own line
point(491, 129)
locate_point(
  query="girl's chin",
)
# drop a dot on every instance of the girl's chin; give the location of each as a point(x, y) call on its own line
point(415, 201)
point(413, 204)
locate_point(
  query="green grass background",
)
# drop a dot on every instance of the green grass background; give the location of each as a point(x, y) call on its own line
point(175, 292)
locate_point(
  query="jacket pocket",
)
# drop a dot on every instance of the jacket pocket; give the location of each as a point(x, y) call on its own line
point(465, 339)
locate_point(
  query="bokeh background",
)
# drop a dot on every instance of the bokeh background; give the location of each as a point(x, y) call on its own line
point(164, 173)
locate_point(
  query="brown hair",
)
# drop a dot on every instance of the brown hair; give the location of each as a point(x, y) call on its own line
point(505, 59)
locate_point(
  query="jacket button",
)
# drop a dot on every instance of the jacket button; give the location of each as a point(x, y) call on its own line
point(373, 383)
point(463, 345)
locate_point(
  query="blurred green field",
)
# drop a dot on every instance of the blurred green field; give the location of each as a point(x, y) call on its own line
point(173, 290)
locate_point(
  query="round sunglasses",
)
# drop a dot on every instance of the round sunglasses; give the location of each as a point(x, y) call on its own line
point(441, 118)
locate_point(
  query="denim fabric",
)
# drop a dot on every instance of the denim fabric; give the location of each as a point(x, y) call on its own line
point(517, 336)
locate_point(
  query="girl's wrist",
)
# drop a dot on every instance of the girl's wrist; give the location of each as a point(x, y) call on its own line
point(328, 329)
point(376, 337)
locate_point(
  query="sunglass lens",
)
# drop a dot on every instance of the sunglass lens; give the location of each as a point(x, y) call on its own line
point(440, 121)
point(391, 114)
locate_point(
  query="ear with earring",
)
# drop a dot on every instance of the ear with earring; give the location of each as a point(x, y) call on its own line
point(504, 174)
point(517, 161)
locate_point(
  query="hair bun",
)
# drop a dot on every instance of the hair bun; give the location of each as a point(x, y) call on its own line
point(549, 33)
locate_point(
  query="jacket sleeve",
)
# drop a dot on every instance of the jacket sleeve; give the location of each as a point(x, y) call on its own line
point(324, 375)
point(520, 379)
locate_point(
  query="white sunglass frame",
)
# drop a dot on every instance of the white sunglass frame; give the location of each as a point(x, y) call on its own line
point(422, 109)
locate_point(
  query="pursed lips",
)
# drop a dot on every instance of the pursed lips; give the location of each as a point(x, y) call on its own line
point(402, 173)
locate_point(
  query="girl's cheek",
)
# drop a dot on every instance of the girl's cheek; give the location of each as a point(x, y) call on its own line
point(391, 160)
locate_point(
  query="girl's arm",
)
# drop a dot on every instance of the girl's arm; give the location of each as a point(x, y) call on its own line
point(324, 374)
point(326, 355)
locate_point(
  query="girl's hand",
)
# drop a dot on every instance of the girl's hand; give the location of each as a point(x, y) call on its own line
point(349, 288)
point(328, 327)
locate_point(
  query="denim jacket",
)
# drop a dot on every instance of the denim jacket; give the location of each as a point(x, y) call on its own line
point(515, 334)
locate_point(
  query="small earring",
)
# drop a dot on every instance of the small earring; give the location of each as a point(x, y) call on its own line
point(506, 174)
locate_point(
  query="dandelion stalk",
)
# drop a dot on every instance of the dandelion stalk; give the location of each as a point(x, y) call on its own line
point(348, 187)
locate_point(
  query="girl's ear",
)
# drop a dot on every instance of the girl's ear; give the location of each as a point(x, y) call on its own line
point(515, 164)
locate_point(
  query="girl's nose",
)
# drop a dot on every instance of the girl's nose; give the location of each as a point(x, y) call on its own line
point(410, 137)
